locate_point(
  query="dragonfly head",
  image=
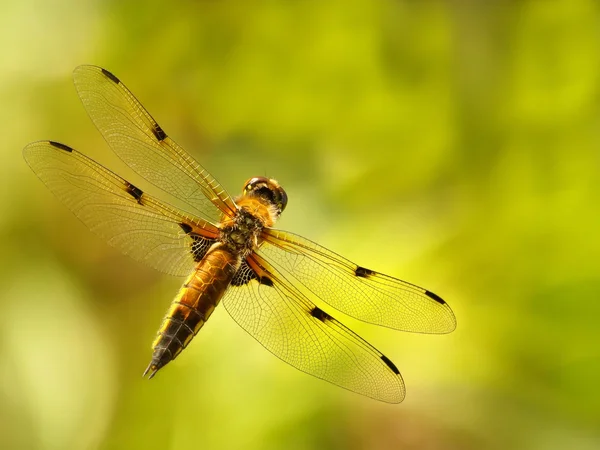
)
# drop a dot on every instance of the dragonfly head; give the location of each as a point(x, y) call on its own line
point(268, 190)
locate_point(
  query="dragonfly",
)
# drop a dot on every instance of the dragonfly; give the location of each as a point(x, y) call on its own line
point(270, 281)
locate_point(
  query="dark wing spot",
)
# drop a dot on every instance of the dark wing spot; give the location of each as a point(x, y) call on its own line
point(435, 297)
point(60, 146)
point(111, 76)
point(390, 364)
point(318, 313)
point(363, 272)
point(159, 133)
point(266, 281)
point(134, 191)
point(186, 228)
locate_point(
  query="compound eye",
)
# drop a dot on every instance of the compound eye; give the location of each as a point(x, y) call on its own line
point(283, 199)
point(252, 183)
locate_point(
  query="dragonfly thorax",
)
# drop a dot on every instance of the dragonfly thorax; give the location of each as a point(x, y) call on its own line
point(242, 233)
point(259, 207)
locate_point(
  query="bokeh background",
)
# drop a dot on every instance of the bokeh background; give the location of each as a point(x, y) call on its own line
point(454, 144)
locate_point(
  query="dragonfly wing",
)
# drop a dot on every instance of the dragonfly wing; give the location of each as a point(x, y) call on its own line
point(357, 291)
point(291, 327)
point(142, 144)
point(139, 225)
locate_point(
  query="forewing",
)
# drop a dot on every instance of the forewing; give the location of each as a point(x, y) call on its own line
point(291, 327)
point(359, 292)
point(142, 144)
point(137, 224)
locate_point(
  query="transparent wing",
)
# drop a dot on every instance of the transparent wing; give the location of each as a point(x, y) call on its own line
point(142, 144)
point(359, 292)
point(128, 219)
point(287, 324)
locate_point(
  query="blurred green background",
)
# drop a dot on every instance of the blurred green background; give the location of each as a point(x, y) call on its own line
point(454, 144)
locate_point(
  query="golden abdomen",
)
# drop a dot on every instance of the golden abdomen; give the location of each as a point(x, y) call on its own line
point(193, 305)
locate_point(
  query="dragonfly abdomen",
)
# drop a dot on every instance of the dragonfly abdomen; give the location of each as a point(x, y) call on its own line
point(193, 305)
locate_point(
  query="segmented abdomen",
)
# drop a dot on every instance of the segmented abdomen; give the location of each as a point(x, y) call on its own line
point(193, 305)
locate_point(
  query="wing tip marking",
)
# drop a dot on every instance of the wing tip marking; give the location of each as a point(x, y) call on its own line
point(363, 272)
point(110, 76)
point(60, 146)
point(435, 297)
point(390, 364)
